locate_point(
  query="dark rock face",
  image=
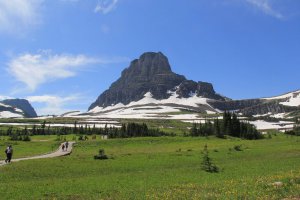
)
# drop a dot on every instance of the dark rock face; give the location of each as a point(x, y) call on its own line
point(250, 107)
point(186, 88)
point(151, 73)
point(269, 107)
point(22, 104)
point(203, 89)
point(235, 104)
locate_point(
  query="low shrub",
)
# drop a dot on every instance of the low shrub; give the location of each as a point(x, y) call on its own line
point(101, 155)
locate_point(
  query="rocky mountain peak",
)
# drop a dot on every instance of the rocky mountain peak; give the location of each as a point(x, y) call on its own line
point(148, 65)
point(151, 72)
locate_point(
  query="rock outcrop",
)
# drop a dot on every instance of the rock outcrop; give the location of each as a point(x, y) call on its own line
point(189, 88)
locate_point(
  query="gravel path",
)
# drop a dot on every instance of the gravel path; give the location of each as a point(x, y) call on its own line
point(59, 152)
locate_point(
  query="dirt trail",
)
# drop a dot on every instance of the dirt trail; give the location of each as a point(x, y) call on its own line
point(59, 152)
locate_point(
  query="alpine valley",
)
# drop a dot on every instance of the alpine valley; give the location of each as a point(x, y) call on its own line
point(149, 89)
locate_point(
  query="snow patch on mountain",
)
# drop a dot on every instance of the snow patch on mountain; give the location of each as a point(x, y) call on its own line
point(193, 101)
point(11, 112)
point(8, 114)
point(264, 125)
point(4, 105)
point(70, 114)
point(289, 99)
point(295, 101)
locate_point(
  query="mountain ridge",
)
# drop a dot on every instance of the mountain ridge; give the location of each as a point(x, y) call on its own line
point(151, 73)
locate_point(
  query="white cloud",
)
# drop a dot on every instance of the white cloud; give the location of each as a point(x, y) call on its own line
point(266, 7)
point(3, 97)
point(52, 104)
point(105, 6)
point(18, 15)
point(36, 69)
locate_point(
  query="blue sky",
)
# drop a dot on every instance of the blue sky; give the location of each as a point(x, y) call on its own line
point(61, 54)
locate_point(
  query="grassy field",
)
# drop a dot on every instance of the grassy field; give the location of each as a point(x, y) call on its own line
point(159, 168)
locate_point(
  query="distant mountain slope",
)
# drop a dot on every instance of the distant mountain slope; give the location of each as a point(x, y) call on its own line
point(289, 99)
point(280, 104)
point(16, 108)
point(252, 106)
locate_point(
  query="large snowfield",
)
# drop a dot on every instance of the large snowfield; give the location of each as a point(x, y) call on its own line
point(282, 125)
point(148, 108)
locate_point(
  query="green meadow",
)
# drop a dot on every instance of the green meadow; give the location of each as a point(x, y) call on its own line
point(155, 168)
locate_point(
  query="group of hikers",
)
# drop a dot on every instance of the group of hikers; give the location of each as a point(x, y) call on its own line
point(9, 151)
point(65, 146)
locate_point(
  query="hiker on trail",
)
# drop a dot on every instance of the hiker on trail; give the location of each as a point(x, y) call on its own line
point(9, 152)
point(67, 145)
point(63, 147)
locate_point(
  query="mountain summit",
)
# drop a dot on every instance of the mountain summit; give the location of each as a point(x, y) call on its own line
point(151, 73)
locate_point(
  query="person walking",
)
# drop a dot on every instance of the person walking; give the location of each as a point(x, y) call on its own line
point(9, 152)
point(63, 147)
point(67, 145)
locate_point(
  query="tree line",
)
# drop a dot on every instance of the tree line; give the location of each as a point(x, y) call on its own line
point(296, 129)
point(229, 125)
point(125, 131)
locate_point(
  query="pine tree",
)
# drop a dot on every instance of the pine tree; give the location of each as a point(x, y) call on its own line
point(9, 131)
point(34, 130)
point(235, 126)
point(207, 164)
point(194, 130)
point(105, 129)
point(75, 127)
point(218, 132)
point(43, 126)
point(123, 129)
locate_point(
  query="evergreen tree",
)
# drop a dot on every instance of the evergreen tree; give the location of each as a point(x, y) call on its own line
point(43, 126)
point(218, 132)
point(194, 130)
point(207, 164)
point(9, 131)
point(34, 132)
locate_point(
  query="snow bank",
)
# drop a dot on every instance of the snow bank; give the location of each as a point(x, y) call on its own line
point(148, 99)
point(292, 98)
point(263, 125)
point(4, 105)
point(7, 114)
point(62, 125)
